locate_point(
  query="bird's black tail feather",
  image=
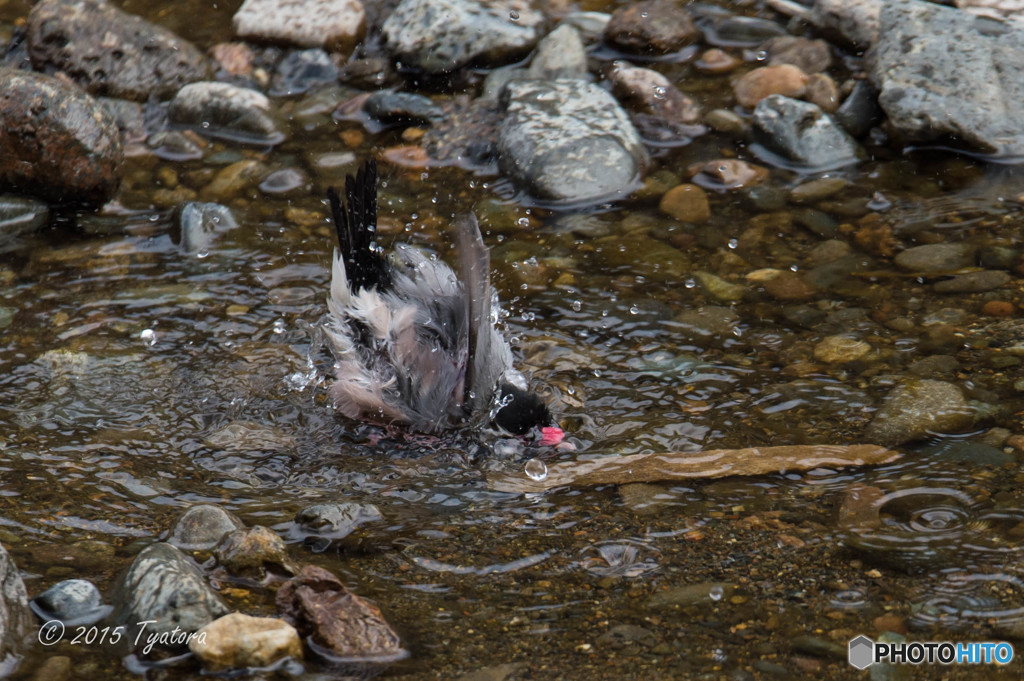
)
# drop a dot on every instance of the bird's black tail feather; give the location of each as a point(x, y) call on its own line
point(356, 224)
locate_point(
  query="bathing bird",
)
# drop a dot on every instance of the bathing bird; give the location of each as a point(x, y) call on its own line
point(414, 344)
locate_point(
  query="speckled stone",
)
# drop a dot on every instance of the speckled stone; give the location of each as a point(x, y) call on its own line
point(226, 110)
point(973, 282)
point(58, 143)
point(439, 36)
point(559, 55)
point(110, 52)
point(936, 257)
point(567, 140)
point(237, 641)
point(803, 133)
point(919, 407)
point(15, 618)
point(651, 27)
point(840, 349)
point(335, 25)
point(650, 92)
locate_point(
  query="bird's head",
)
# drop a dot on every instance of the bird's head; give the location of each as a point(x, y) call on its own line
point(521, 412)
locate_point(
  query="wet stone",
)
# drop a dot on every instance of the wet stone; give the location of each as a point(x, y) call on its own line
point(174, 145)
point(973, 282)
point(703, 595)
point(566, 140)
point(109, 52)
point(740, 31)
point(15, 618)
point(340, 623)
point(859, 112)
point(626, 635)
point(651, 27)
point(650, 92)
point(164, 586)
point(753, 86)
point(559, 55)
point(337, 520)
point(934, 365)
point(788, 286)
point(810, 56)
point(721, 290)
point(232, 180)
point(202, 527)
point(840, 349)
point(238, 641)
point(822, 91)
point(936, 257)
point(226, 111)
point(816, 190)
point(727, 174)
point(802, 132)
point(438, 36)
point(589, 25)
point(969, 452)
point(709, 325)
point(726, 122)
point(303, 70)
point(58, 143)
point(716, 62)
point(917, 408)
point(686, 203)
point(73, 601)
point(251, 550)
point(404, 108)
point(335, 25)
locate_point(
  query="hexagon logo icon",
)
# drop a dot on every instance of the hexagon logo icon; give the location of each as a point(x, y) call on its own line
point(862, 652)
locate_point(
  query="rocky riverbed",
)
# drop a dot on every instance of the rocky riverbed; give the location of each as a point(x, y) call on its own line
point(713, 226)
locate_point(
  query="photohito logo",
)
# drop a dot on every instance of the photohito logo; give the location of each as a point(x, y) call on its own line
point(863, 652)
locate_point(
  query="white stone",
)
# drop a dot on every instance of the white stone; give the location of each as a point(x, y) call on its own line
point(330, 24)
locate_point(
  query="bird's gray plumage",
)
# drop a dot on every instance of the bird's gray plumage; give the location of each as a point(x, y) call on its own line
point(412, 343)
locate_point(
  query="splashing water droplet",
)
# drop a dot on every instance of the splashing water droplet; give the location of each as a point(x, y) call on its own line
point(536, 469)
point(202, 253)
point(279, 326)
point(734, 243)
point(577, 305)
point(513, 15)
point(523, 222)
point(148, 336)
point(634, 310)
point(716, 593)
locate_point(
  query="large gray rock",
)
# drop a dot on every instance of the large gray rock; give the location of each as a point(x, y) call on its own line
point(15, 616)
point(803, 133)
point(110, 52)
point(163, 587)
point(438, 36)
point(917, 408)
point(568, 140)
point(57, 143)
point(226, 111)
point(941, 78)
point(560, 55)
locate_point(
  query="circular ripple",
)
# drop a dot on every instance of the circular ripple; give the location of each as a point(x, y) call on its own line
point(958, 600)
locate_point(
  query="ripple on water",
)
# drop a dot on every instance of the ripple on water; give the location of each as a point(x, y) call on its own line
point(620, 558)
point(922, 528)
point(956, 600)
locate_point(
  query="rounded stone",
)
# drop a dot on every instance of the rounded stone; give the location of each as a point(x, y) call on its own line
point(716, 62)
point(58, 143)
point(651, 27)
point(840, 349)
point(335, 25)
point(785, 79)
point(687, 203)
point(936, 257)
point(822, 90)
point(239, 641)
point(202, 526)
point(727, 174)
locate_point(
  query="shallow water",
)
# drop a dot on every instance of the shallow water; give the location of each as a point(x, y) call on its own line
point(137, 380)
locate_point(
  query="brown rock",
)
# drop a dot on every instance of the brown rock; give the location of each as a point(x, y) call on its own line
point(716, 62)
point(686, 202)
point(319, 605)
point(728, 173)
point(858, 509)
point(998, 308)
point(407, 156)
point(234, 58)
point(822, 90)
point(651, 27)
point(251, 549)
point(788, 286)
point(890, 622)
point(810, 56)
point(785, 79)
point(651, 93)
point(56, 142)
